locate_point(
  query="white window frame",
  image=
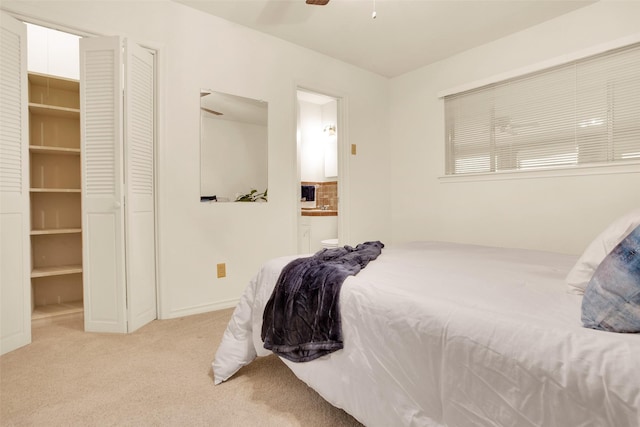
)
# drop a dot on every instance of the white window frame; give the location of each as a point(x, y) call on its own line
point(584, 168)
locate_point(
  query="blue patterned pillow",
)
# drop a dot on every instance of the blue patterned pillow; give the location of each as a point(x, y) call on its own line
point(611, 301)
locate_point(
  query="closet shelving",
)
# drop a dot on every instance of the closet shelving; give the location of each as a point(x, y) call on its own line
point(56, 233)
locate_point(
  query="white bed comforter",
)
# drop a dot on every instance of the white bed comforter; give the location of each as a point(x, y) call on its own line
point(441, 334)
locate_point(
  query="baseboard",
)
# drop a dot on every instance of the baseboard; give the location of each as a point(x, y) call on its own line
point(204, 308)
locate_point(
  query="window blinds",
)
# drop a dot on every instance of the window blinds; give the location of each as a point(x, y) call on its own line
point(582, 112)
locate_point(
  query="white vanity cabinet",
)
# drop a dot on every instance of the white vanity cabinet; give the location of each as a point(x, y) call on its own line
point(313, 230)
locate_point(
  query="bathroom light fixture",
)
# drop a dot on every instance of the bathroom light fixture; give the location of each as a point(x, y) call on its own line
point(330, 129)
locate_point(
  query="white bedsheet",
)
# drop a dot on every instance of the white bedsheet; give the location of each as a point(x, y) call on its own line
point(442, 334)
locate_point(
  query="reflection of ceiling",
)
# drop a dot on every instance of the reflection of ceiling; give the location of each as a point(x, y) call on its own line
point(406, 34)
point(233, 108)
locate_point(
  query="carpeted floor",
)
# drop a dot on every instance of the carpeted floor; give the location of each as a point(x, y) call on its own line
point(159, 375)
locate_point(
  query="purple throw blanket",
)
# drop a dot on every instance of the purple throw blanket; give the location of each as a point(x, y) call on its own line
point(301, 320)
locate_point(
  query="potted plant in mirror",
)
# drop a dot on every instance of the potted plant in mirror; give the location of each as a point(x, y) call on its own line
point(252, 196)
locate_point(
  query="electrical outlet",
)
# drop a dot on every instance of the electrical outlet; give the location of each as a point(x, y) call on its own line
point(222, 270)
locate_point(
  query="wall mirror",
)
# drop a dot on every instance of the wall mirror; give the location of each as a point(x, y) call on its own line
point(233, 148)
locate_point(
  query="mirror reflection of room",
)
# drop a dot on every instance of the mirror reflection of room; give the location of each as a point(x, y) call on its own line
point(233, 148)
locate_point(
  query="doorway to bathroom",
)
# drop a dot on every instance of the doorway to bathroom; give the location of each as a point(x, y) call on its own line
point(318, 135)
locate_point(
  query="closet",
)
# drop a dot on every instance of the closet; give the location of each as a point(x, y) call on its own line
point(77, 188)
point(54, 187)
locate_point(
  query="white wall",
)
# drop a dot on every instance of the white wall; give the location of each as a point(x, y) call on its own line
point(318, 149)
point(330, 118)
point(561, 214)
point(196, 51)
point(311, 142)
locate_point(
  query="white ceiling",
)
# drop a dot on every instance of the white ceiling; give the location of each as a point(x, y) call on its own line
point(406, 34)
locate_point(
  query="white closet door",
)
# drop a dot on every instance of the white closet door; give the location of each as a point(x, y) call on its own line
point(117, 110)
point(139, 179)
point(15, 262)
point(101, 107)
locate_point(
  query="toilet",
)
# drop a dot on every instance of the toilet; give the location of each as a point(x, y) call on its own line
point(329, 243)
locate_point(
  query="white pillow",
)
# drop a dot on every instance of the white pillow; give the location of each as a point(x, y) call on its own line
point(581, 273)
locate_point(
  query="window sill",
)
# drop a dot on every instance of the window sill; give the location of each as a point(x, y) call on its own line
point(627, 167)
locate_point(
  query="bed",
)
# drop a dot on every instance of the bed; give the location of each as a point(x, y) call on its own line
point(445, 334)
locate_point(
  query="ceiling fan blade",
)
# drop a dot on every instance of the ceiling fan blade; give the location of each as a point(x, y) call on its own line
point(318, 2)
point(212, 111)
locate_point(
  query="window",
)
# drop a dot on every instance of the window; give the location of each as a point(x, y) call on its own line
point(582, 112)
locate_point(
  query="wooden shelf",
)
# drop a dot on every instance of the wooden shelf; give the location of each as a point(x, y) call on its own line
point(54, 150)
point(56, 231)
point(55, 190)
point(52, 310)
point(54, 82)
point(56, 271)
point(53, 110)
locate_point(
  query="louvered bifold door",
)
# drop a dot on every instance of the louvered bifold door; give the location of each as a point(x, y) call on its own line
point(139, 180)
point(103, 260)
point(15, 264)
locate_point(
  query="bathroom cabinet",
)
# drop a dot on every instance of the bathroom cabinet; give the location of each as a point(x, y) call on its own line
point(313, 230)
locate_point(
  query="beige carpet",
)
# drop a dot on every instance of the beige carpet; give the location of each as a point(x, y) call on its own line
point(158, 376)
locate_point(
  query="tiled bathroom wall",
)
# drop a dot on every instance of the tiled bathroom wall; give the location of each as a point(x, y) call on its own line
point(326, 193)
